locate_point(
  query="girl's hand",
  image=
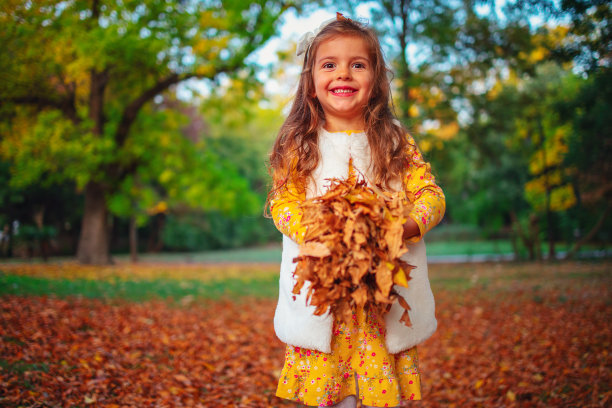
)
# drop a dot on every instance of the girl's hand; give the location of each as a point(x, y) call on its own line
point(411, 229)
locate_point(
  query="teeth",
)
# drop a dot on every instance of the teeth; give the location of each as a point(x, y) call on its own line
point(342, 91)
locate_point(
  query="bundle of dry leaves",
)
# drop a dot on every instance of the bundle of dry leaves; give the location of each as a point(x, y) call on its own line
point(352, 249)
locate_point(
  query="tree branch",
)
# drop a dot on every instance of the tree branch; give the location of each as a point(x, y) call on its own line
point(572, 252)
point(98, 83)
point(130, 113)
point(66, 105)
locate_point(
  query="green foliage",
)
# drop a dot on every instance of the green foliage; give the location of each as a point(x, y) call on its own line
point(135, 46)
point(590, 147)
point(178, 173)
point(198, 232)
point(483, 178)
point(75, 99)
point(31, 233)
point(243, 135)
point(513, 154)
point(541, 133)
point(52, 149)
point(55, 207)
point(587, 110)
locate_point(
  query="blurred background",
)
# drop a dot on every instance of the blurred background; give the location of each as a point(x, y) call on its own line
point(143, 127)
point(138, 130)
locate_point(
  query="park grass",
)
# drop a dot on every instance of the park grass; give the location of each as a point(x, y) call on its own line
point(185, 283)
point(139, 290)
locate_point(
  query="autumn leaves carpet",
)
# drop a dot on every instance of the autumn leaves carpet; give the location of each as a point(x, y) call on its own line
point(525, 335)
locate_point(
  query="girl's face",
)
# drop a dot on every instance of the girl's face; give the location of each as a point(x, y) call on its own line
point(343, 76)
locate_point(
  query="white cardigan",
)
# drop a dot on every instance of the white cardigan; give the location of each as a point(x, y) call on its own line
point(294, 321)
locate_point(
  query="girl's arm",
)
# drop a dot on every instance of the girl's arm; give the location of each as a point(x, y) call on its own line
point(286, 213)
point(429, 201)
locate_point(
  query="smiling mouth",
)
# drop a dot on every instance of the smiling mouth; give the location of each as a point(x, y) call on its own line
point(343, 91)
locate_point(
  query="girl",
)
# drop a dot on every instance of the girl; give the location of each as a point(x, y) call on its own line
point(341, 125)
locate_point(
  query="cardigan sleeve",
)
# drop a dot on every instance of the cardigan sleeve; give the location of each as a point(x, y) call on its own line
point(429, 201)
point(286, 213)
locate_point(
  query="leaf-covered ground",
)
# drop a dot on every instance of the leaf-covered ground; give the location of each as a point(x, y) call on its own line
point(509, 335)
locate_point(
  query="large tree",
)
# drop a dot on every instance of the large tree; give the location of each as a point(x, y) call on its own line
point(76, 76)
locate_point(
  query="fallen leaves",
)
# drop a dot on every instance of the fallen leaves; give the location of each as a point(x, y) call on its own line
point(141, 271)
point(149, 354)
point(352, 248)
point(538, 333)
point(511, 348)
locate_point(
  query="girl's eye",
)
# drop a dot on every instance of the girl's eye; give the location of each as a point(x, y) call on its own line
point(328, 65)
point(359, 65)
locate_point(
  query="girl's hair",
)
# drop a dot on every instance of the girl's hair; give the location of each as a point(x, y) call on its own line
point(295, 154)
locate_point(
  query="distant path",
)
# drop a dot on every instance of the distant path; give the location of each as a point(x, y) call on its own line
point(272, 256)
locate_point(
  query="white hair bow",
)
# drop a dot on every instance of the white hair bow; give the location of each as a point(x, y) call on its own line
point(306, 39)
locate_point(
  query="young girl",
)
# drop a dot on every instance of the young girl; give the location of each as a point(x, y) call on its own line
point(341, 125)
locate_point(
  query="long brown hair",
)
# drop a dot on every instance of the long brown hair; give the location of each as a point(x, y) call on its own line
point(295, 154)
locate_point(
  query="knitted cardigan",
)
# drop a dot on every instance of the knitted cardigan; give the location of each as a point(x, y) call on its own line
point(294, 321)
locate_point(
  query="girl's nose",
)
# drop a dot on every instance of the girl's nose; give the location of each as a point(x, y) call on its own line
point(343, 72)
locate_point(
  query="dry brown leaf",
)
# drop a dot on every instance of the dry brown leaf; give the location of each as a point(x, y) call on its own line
point(314, 249)
point(405, 316)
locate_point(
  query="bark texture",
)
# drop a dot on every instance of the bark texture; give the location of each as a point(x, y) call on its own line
point(93, 242)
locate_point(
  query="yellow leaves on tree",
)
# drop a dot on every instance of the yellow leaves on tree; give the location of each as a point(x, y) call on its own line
point(550, 186)
point(352, 249)
point(562, 195)
point(160, 207)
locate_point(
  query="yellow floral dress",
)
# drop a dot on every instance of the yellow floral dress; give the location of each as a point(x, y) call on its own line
point(359, 363)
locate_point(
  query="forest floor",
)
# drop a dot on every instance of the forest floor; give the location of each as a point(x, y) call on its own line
point(172, 335)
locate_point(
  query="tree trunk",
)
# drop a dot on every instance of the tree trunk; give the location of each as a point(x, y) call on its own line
point(549, 215)
point(43, 240)
point(514, 241)
point(530, 239)
point(523, 236)
point(534, 231)
point(161, 223)
point(156, 239)
point(550, 224)
point(9, 252)
point(133, 239)
point(93, 242)
point(600, 222)
point(399, 14)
